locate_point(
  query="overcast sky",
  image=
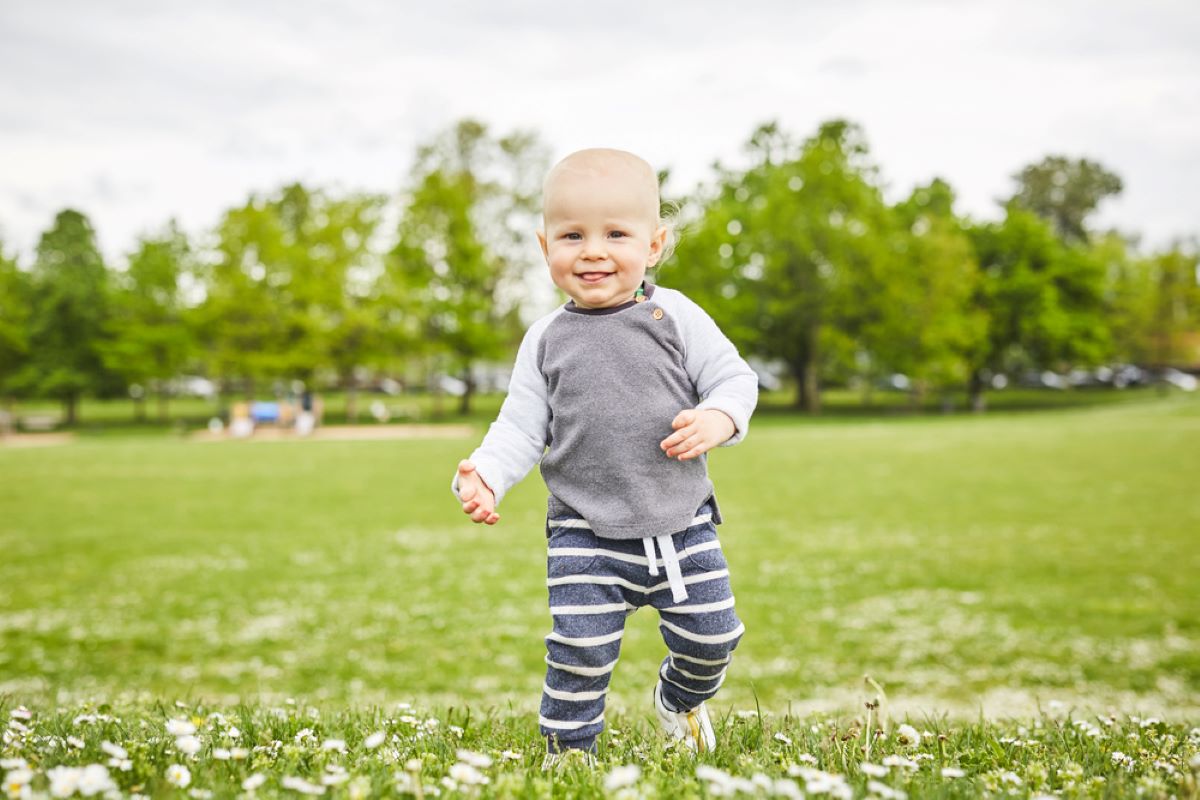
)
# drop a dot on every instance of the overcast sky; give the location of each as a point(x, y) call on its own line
point(134, 112)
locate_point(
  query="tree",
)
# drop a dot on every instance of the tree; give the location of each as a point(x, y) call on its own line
point(69, 314)
point(465, 241)
point(1043, 298)
point(292, 288)
point(1065, 192)
point(149, 340)
point(1175, 307)
point(928, 326)
point(787, 253)
point(15, 297)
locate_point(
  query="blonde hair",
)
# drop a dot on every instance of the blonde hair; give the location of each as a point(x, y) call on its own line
point(668, 217)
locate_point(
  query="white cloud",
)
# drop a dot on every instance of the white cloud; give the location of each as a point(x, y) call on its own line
point(135, 112)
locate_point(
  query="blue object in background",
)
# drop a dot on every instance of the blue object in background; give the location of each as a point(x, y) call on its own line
point(264, 412)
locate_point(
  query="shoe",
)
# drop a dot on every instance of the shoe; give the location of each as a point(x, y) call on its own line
point(693, 728)
point(566, 758)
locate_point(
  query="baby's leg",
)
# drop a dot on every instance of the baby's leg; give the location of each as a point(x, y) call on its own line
point(702, 631)
point(582, 650)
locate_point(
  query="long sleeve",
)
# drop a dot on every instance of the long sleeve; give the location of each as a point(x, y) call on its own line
point(517, 439)
point(722, 378)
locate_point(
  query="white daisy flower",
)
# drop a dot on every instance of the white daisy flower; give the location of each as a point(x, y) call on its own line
point(180, 727)
point(374, 740)
point(253, 782)
point(623, 776)
point(466, 774)
point(188, 745)
point(334, 744)
point(239, 753)
point(874, 770)
point(63, 780)
point(95, 779)
point(478, 760)
point(221, 754)
point(75, 741)
point(779, 737)
point(907, 735)
point(21, 712)
point(13, 763)
point(114, 750)
point(953, 772)
point(300, 785)
point(179, 775)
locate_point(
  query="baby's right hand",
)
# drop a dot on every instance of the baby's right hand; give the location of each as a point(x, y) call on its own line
point(479, 502)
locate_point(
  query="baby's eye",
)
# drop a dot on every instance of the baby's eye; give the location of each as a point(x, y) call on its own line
point(574, 237)
point(617, 234)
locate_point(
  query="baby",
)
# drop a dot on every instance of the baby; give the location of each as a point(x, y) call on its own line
point(628, 385)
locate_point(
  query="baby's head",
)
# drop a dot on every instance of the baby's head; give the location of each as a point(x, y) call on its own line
point(601, 226)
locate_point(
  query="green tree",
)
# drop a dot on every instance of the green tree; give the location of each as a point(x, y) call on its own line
point(465, 242)
point(149, 341)
point(69, 315)
point(292, 287)
point(1043, 297)
point(1174, 320)
point(787, 254)
point(1065, 192)
point(15, 297)
point(928, 325)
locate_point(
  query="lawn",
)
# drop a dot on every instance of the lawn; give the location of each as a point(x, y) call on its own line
point(977, 567)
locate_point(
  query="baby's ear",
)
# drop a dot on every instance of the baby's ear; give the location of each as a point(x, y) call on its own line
point(658, 241)
point(541, 237)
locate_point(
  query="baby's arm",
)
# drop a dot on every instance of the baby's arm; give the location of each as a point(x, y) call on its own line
point(727, 386)
point(514, 442)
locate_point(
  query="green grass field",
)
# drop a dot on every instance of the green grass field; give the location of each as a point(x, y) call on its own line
point(980, 568)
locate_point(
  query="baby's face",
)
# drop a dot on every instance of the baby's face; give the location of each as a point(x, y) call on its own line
point(601, 226)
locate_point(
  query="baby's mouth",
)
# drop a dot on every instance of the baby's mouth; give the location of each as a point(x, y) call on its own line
point(593, 277)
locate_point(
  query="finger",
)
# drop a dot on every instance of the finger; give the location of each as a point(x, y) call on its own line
point(480, 514)
point(465, 466)
point(493, 519)
point(685, 417)
point(467, 491)
point(470, 506)
point(698, 450)
point(685, 445)
point(677, 437)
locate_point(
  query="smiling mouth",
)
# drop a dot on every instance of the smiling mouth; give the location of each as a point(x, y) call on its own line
point(593, 277)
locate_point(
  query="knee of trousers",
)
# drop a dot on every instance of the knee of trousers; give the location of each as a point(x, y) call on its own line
point(591, 657)
point(713, 647)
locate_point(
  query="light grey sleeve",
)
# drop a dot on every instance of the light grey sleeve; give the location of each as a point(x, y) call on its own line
point(722, 378)
point(516, 441)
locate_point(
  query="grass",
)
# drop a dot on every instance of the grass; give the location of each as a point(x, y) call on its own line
point(986, 570)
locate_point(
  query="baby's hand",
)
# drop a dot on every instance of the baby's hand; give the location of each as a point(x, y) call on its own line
point(478, 500)
point(697, 431)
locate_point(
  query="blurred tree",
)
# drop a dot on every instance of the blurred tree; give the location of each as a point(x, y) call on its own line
point(465, 242)
point(1065, 192)
point(1043, 298)
point(1129, 295)
point(149, 341)
point(15, 298)
point(291, 288)
point(928, 325)
point(788, 255)
point(68, 315)
point(1175, 307)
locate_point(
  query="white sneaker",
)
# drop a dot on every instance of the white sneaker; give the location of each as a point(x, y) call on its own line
point(693, 728)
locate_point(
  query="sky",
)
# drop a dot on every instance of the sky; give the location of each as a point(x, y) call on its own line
point(137, 112)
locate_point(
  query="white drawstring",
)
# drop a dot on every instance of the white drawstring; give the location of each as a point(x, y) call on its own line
point(670, 563)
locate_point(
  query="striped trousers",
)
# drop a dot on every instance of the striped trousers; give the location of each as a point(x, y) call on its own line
point(594, 584)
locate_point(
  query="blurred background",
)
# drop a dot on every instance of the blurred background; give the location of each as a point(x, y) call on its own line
point(957, 241)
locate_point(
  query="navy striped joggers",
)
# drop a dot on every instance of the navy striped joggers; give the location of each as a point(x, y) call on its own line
point(594, 584)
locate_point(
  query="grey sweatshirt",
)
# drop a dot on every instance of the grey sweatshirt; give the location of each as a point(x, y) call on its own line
point(599, 388)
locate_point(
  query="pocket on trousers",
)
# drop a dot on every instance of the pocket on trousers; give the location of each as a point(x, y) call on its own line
point(703, 549)
point(569, 551)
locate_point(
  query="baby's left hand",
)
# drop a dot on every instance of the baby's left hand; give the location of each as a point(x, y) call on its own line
point(697, 431)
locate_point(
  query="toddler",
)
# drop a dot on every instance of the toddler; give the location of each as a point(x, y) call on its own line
point(620, 393)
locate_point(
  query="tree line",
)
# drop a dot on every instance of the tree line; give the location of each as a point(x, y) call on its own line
point(796, 254)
